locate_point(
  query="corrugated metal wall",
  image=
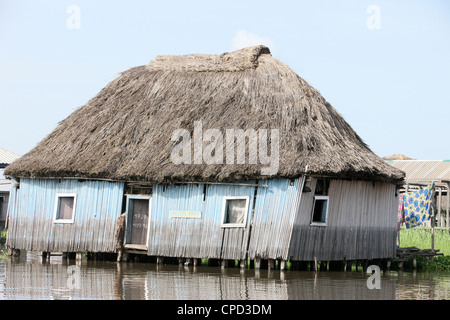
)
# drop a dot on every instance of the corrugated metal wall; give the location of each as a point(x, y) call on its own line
point(274, 217)
point(362, 220)
point(205, 238)
point(196, 238)
point(31, 226)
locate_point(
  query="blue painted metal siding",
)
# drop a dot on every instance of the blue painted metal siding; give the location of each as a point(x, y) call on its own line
point(274, 218)
point(193, 237)
point(31, 226)
point(271, 221)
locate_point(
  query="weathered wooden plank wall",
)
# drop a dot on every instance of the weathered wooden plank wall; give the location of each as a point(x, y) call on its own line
point(362, 220)
point(31, 226)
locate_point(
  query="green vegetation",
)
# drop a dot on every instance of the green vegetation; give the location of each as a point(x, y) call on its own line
point(3, 254)
point(3, 237)
point(421, 238)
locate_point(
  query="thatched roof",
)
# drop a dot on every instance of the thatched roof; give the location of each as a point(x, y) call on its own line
point(124, 133)
point(397, 156)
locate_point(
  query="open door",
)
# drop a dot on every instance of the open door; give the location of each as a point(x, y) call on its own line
point(138, 218)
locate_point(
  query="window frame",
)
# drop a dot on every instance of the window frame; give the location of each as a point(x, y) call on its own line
point(317, 223)
point(223, 224)
point(57, 206)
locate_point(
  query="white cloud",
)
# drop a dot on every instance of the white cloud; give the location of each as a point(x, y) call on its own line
point(243, 39)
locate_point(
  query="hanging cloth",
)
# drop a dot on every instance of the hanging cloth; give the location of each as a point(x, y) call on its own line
point(401, 212)
point(419, 206)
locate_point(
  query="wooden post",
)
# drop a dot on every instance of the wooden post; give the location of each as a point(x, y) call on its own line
point(270, 264)
point(315, 264)
point(242, 264)
point(194, 262)
point(159, 260)
point(439, 208)
point(258, 263)
point(349, 266)
point(448, 206)
point(224, 263)
point(432, 233)
point(282, 265)
point(79, 256)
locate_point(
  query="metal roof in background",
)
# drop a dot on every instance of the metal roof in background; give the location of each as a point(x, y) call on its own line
point(423, 171)
point(6, 157)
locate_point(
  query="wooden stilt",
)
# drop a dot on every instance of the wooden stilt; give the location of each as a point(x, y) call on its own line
point(348, 266)
point(271, 264)
point(257, 263)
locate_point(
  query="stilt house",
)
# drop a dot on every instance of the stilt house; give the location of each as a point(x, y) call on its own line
point(230, 156)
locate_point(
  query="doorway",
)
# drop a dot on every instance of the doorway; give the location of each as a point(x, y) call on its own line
point(138, 218)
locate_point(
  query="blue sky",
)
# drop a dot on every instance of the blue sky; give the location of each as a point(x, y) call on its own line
point(386, 70)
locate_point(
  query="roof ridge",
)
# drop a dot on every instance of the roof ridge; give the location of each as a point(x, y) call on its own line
point(239, 60)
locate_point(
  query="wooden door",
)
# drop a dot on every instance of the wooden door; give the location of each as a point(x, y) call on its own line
point(138, 218)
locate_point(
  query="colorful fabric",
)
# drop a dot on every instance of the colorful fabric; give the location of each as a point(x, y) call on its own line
point(419, 206)
point(401, 213)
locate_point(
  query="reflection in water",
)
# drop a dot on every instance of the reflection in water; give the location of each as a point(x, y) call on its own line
point(30, 278)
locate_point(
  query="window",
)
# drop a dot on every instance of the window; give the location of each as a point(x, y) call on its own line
point(320, 211)
point(234, 213)
point(64, 208)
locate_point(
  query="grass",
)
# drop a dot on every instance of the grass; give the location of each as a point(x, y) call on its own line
point(3, 254)
point(421, 238)
point(3, 237)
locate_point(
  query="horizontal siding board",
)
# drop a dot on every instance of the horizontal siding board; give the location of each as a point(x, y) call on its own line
point(98, 206)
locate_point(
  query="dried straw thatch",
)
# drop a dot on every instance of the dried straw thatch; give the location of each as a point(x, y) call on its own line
point(397, 156)
point(124, 133)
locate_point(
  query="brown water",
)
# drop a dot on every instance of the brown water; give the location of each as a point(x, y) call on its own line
point(29, 278)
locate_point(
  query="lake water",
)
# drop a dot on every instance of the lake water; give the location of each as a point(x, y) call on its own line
point(31, 278)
